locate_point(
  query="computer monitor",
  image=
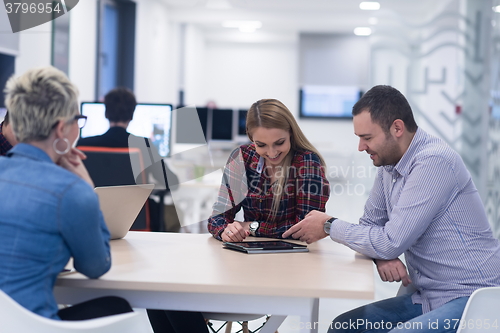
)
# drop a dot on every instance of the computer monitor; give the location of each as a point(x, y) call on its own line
point(242, 122)
point(222, 124)
point(328, 101)
point(153, 121)
point(191, 125)
point(3, 111)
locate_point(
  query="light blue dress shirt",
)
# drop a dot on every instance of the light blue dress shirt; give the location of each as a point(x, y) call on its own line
point(47, 215)
point(427, 207)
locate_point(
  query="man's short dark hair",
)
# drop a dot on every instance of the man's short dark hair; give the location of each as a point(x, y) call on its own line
point(120, 105)
point(385, 105)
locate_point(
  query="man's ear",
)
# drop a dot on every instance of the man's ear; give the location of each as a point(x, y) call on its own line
point(398, 128)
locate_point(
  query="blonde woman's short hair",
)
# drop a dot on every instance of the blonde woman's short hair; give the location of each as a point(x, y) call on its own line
point(37, 100)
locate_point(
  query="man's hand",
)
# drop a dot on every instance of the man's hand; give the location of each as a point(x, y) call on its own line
point(310, 229)
point(393, 270)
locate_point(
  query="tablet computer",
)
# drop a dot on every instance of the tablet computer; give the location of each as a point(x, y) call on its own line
point(277, 246)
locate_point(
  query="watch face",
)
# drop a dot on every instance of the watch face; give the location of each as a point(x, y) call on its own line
point(254, 225)
point(327, 227)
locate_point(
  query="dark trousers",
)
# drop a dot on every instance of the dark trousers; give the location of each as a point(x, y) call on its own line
point(95, 308)
point(177, 321)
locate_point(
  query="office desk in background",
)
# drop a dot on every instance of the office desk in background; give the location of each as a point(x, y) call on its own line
point(195, 199)
point(193, 272)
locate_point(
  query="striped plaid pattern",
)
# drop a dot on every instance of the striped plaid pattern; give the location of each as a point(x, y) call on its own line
point(5, 146)
point(243, 186)
point(427, 207)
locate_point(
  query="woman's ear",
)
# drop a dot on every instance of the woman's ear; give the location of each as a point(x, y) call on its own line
point(60, 129)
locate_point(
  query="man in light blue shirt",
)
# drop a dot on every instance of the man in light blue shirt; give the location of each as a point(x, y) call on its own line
point(423, 204)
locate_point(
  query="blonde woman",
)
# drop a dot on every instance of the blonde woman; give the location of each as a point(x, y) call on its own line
point(277, 179)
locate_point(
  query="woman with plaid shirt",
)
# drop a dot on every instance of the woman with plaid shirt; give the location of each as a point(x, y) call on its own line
point(277, 179)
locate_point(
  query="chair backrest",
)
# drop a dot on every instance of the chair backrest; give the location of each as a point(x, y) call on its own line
point(118, 166)
point(16, 319)
point(481, 313)
point(114, 166)
point(409, 289)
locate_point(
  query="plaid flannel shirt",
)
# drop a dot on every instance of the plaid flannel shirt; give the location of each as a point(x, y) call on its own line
point(246, 185)
point(5, 146)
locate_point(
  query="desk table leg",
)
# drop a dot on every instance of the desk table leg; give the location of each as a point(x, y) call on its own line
point(272, 324)
point(310, 323)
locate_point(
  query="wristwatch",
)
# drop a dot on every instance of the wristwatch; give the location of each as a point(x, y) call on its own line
point(253, 228)
point(328, 225)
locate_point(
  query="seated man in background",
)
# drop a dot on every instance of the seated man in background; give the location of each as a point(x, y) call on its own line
point(7, 138)
point(423, 204)
point(120, 105)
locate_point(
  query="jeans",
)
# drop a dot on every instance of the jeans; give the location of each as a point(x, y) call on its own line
point(169, 321)
point(399, 314)
point(95, 308)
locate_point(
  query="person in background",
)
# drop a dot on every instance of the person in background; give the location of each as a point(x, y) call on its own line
point(423, 204)
point(120, 105)
point(277, 179)
point(7, 138)
point(50, 212)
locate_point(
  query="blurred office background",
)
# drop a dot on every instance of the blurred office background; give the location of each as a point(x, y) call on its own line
point(443, 55)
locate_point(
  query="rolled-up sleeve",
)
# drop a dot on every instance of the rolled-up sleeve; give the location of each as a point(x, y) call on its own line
point(232, 192)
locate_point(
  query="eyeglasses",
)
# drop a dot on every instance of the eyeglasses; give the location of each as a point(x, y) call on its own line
point(82, 120)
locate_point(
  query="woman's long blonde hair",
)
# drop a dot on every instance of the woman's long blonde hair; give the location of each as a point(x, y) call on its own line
point(271, 113)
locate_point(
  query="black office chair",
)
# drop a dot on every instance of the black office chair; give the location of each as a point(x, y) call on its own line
point(118, 166)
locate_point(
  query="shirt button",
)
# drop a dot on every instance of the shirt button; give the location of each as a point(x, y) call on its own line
point(417, 272)
point(394, 180)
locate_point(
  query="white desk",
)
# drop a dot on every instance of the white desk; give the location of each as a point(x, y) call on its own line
point(194, 272)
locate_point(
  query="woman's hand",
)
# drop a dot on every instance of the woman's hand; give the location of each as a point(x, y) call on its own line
point(236, 232)
point(72, 161)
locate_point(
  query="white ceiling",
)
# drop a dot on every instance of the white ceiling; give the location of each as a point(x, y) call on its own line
point(291, 16)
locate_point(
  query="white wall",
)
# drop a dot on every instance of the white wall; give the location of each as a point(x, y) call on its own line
point(34, 48)
point(328, 59)
point(155, 68)
point(239, 74)
point(9, 42)
point(156, 75)
point(236, 72)
point(83, 48)
point(195, 65)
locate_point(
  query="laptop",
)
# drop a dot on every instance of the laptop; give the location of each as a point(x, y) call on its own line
point(278, 246)
point(120, 205)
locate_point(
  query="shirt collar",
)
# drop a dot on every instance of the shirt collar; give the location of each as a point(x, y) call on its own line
point(117, 129)
point(29, 151)
point(404, 164)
